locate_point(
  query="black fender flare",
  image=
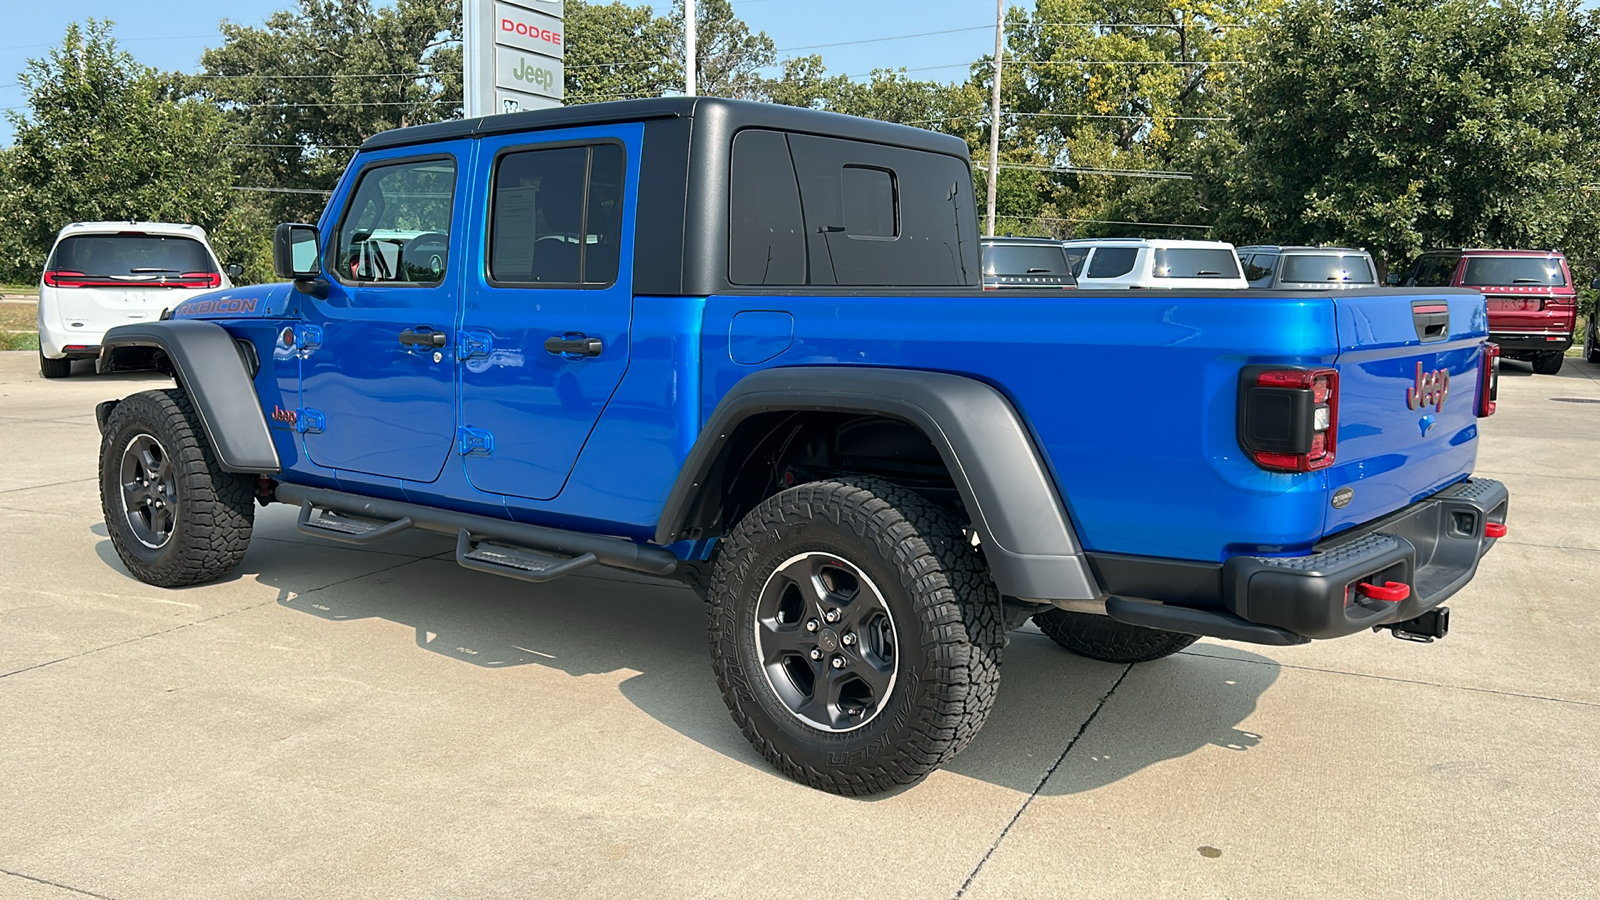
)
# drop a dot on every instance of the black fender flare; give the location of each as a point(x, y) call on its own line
point(207, 365)
point(1022, 523)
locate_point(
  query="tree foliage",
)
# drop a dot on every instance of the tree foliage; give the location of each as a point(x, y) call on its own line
point(104, 138)
point(1402, 125)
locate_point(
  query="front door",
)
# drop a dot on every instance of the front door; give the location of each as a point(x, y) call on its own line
point(378, 371)
point(545, 330)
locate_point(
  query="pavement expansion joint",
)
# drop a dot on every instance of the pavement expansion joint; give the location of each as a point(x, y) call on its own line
point(1416, 681)
point(54, 884)
point(40, 487)
point(1043, 780)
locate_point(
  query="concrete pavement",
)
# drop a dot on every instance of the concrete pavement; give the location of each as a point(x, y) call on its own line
point(377, 722)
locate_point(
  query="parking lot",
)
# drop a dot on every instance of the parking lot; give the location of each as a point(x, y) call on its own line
point(378, 722)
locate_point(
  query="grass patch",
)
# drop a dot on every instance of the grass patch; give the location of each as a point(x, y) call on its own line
point(24, 289)
point(17, 327)
point(19, 340)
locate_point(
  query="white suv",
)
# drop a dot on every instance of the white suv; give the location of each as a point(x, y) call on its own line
point(101, 274)
point(1113, 263)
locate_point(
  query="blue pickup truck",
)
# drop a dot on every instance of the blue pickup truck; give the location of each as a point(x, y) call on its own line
point(747, 346)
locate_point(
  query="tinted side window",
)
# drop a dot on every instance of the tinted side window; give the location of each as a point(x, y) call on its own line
point(1439, 273)
point(396, 228)
point(862, 240)
point(1112, 262)
point(766, 234)
point(1259, 268)
point(556, 216)
point(1075, 258)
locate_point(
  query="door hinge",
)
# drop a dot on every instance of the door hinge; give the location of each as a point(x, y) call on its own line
point(309, 421)
point(473, 344)
point(474, 441)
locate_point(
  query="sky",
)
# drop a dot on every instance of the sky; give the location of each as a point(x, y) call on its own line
point(172, 34)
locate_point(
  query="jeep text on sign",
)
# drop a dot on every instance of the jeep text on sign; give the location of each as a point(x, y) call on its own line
point(527, 30)
point(529, 73)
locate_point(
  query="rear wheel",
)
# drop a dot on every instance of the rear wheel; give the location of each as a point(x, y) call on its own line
point(1591, 352)
point(54, 368)
point(174, 516)
point(1547, 364)
point(855, 634)
point(1106, 639)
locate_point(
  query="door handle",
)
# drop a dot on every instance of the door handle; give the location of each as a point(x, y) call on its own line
point(575, 344)
point(423, 337)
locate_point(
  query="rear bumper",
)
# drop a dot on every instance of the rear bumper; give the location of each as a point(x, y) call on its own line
point(1519, 342)
point(1433, 546)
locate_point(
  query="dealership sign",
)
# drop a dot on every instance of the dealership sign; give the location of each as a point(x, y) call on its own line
point(513, 55)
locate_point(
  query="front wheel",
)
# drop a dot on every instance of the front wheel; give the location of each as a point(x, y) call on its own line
point(174, 516)
point(1106, 639)
point(855, 634)
point(1547, 364)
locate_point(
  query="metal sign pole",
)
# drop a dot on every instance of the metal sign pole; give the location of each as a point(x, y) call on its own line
point(690, 27)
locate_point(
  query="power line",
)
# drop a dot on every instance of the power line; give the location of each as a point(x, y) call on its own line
point(1079, 170)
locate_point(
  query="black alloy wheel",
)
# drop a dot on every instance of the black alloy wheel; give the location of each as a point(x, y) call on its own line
point(826, 640)
point(149, 491)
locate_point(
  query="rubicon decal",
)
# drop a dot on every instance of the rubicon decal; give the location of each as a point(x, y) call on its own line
point(1430, 389)
point(225, 305)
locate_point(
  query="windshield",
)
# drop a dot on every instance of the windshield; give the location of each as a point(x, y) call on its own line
point(1327, 268)
point(1184, 262)
point(130, 260)
point(1024, 259)
point(1506, 271)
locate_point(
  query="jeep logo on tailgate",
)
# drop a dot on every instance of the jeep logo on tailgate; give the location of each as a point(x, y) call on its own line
point(1430, 390)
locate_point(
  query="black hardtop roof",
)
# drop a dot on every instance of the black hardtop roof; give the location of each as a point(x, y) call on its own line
point(737, 113)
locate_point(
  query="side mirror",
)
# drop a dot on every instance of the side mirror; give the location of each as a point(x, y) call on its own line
point(1393, 280)
point(234, 270)
point(1595, 284)
point(297, 252)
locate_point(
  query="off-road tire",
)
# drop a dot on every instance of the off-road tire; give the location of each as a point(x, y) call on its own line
point(1547, 364)
point(1591, 349)
point(213, 510)
point(54, 368)
point(945, 613)
point(1106, 639)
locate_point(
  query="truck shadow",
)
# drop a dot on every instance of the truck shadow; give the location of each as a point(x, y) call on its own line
point(612, 622)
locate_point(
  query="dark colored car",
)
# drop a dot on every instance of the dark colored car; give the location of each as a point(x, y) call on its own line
point(1591, 340)
point(1026, 262)
point(1307, 268)
point(1533, 306)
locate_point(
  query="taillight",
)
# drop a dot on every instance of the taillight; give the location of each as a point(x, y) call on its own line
point(1289, 418)
point(200, 279)
point(1488, 380)
point(63, 279)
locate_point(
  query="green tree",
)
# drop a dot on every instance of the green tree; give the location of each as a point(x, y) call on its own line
point(728, 57)
point(618, 52)
point(317, 80)
point(1408, 124)
point(104, 138)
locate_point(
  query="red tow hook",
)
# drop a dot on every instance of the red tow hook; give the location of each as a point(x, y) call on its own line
point(1391, 592)
point(1494, 530)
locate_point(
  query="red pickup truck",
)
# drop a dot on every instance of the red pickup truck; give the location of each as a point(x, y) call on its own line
point(1532, 301)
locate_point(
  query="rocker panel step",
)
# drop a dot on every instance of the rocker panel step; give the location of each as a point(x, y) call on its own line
point(516, 562)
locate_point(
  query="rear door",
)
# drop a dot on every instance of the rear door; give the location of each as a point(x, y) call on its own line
point(1408, 383)
point(548, 312)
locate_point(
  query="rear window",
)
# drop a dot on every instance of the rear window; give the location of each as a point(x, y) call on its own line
point(1327, 268)
point(1506, 271)
point(1025, 259)
point(1182, 262)
point(131, 259)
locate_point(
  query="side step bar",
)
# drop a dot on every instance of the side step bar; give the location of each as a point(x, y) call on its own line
point(526, 552)
point(1206, 623)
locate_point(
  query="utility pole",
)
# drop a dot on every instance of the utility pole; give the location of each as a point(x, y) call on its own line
point(994, 112)
point(689, 29)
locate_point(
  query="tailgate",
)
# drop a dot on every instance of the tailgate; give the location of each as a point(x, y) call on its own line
point(1400, 437)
